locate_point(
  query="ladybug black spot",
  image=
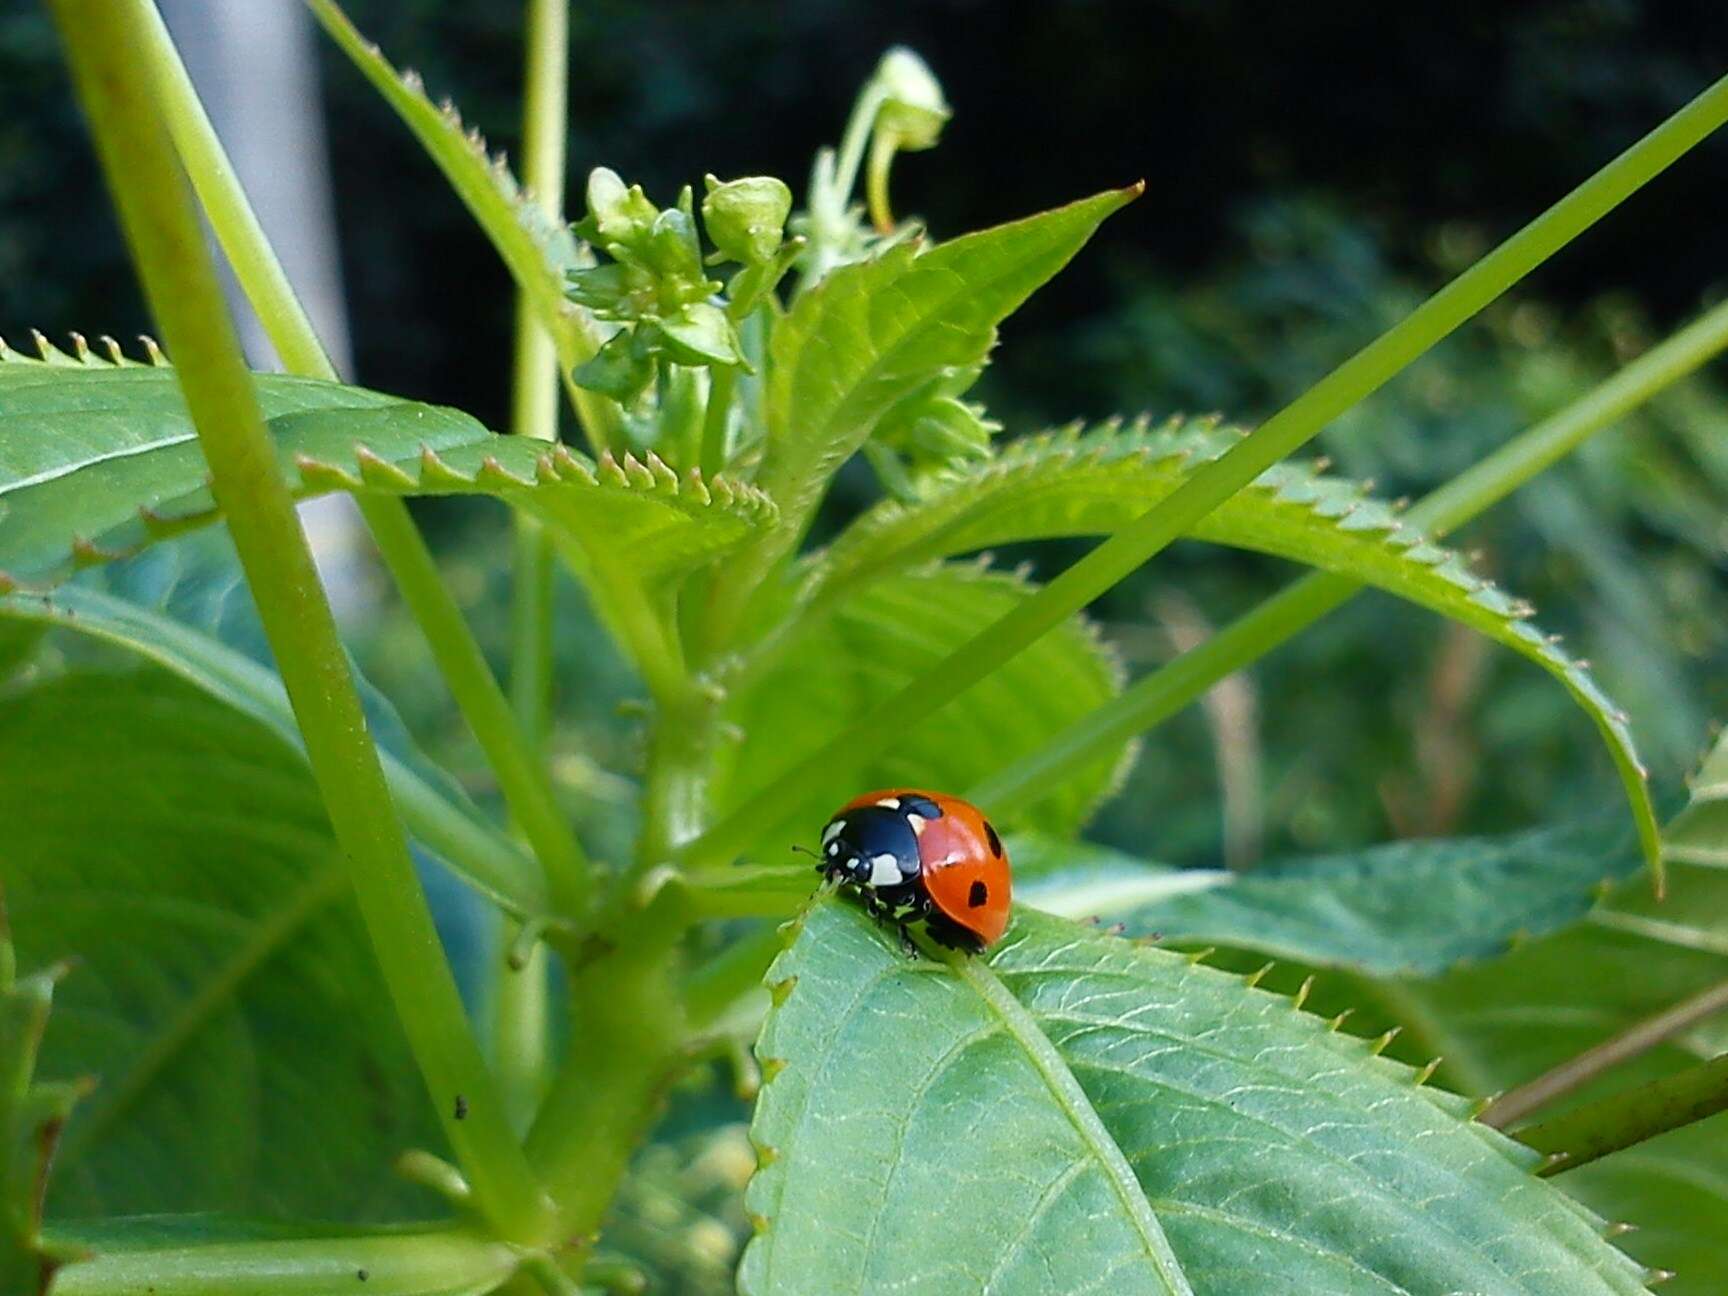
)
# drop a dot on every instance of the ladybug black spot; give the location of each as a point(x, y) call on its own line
point(995, 841)
point(978, 894)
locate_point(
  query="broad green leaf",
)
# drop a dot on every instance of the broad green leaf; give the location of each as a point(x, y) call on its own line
point(1069, 483)
point(1505, 1022)
point(1066, 1113)
point(1502, 1024)
point(536, 250)
point(1405, 908)
point(98, 458)
point(182, 855)
point(201, 1255)
point(874, 333)
point(832, 669)
point(184, 607)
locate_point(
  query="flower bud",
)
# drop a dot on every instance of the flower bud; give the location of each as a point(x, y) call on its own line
point(746, 218)
point(616, 213)
point(914, 111)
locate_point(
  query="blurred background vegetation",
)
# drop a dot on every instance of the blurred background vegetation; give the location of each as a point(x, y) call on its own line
point(1313, 171)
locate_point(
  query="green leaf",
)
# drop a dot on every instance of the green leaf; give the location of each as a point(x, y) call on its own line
point(834, 668)
point(99, 458)
point(183, 856)
point(1502, 1023)
point(198, 1255)
point(537, 251)
point(872, 333)
point(1068, 483)
point(1063, 1114)
point(1699, 833)
point(1405, 908)
point(184, 607)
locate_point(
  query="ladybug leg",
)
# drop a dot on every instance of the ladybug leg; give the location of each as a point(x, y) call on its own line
point(950, 934)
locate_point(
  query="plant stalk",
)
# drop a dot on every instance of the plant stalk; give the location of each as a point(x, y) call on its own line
point(526, 788)
point(1639, 1038)
point(521, 1010)
point(1627, 1119)
point(119, 98)
point(430, 1260)
point(1286, 431)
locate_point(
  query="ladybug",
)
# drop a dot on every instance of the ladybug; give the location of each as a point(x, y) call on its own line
point(914, 856)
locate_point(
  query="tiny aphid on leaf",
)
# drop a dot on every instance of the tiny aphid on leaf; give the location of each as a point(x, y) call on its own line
point(914, 856)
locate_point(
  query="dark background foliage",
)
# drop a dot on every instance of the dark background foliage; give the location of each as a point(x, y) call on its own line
point(1312, 172)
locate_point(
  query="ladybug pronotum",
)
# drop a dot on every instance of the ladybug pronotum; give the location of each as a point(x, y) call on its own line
point(914, 856)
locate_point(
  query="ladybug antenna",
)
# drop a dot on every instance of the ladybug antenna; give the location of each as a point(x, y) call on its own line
point(805, 850)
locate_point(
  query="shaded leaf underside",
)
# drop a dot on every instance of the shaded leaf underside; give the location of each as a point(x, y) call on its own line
point(129, 803)
point(1403, 908)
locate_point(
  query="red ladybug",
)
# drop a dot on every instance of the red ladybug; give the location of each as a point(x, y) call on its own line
point(922, 856)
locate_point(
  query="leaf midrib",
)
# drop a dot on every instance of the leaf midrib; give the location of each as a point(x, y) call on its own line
point(1066, 1090)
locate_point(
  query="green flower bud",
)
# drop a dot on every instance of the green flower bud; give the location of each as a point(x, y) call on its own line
point(616, 213)
point(671, 251)
point(746, 218)
point(915, 111)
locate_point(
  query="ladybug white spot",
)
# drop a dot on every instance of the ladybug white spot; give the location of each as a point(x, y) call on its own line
point(918, 823)
point(833, 848)
point(889, 803)
point(884, 870)
point(832, 831)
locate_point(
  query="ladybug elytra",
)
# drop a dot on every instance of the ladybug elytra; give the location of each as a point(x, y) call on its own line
point(915, 856)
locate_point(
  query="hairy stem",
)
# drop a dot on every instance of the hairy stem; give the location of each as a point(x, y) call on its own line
point(1514, 1105)
point(161, 225)
point(1341, 390)
point(526, 788)
point(1626, 1119)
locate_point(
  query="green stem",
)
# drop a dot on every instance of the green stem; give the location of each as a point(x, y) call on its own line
point(523, 779)
point(627, 1028)
point(1158, 696)
point(521, 1008)
point(1625, 1119)
point(1637, 1039)
point(714, 420)
point(406, 1262)
point(115, 87)
point(525, 786)
point(534, 381)
point(1287, 430)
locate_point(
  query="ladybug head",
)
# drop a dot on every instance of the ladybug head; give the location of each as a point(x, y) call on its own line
point(870, 846)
